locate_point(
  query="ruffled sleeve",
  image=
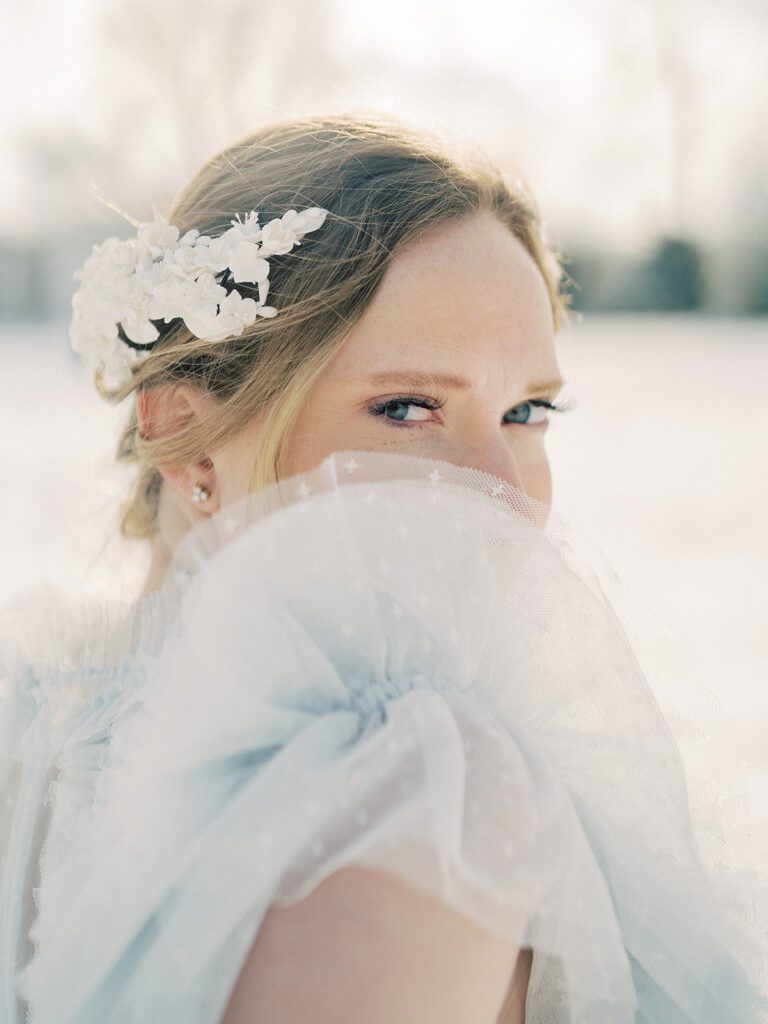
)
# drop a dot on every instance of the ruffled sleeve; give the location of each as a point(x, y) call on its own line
point(64, 680)
point(27, 630)
point(247, 804)
point(25, 738)
point(346, 683)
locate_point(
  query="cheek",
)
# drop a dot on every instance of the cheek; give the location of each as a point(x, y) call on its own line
point(316, 433)
point(233, 473)
point(536, 472)
point(544, 486)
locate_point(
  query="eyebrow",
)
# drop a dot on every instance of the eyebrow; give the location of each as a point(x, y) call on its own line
point(450, 382)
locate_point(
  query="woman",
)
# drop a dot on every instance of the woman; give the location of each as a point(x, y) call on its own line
point(372, 745)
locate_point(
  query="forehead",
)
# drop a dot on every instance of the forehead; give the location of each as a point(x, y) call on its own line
point(464, 298)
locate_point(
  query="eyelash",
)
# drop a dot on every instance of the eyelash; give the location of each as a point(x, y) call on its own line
point(425, 402)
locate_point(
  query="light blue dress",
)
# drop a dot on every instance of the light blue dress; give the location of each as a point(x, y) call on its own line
point(386, 661)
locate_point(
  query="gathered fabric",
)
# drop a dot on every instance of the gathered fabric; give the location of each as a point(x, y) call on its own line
point(387, 661)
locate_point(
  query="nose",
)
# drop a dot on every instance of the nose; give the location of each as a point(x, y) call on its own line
point(488, 456)
point(531, 498)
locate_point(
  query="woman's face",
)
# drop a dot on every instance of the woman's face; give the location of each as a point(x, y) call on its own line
point(453, 359)
point(448, 362)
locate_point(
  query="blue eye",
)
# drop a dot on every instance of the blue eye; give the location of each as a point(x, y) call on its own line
point(529, 412)
point(416, 409)
point(396, 409)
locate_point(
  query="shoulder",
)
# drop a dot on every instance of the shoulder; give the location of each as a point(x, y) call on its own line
point(401, 954)
point(57, 651)
point(43, 628)
point(27, 628)
point(48, 630)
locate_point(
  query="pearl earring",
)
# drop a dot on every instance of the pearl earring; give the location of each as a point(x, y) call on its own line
point(200, 493)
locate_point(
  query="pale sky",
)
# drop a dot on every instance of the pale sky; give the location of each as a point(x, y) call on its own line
point(628, 116)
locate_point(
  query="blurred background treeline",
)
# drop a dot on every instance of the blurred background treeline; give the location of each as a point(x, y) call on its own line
point(641, 124)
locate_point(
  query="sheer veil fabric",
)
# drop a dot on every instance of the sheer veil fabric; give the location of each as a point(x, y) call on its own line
point(391, 661)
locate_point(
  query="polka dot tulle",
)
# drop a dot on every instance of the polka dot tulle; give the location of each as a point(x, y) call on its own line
point(387, 661)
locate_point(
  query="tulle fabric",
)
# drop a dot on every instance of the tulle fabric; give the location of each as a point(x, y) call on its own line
point(388, 661)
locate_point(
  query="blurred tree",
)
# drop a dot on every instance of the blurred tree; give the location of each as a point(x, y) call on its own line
point(671, 279)
point(632, 140)
point(674, 276)
point(674, 28)
point(757, 285)
point(182, 78)
point(171, 83)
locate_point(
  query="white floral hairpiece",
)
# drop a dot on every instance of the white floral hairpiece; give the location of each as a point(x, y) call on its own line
point(126, 284)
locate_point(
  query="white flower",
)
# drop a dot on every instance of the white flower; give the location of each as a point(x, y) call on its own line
point(277, 238)
point(139, 329)
point(192, 259)
point(248, 229)
point(246, 265)
point(308, 220)
point(235, 313)
point(206, 291)
point(91, 330)
point(159, 276)
point(219, 251)
point(124, 254)
point(280, 235)
point(170, 296)
point(116, 366)
point(203, 322)
point(200, 308)
point(239, 308)
point(141, 285)
point(158, 235)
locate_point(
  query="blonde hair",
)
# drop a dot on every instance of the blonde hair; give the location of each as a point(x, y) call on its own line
point(384, 183)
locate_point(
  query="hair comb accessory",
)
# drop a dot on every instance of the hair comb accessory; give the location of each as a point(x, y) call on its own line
point(130, 287)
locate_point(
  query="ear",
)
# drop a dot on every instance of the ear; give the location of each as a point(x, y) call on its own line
point(165, 409)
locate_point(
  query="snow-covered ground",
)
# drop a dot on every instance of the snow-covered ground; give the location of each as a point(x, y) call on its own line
point(663, 463)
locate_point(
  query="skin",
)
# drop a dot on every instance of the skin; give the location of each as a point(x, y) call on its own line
point(464, 299)
point(342, 954)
